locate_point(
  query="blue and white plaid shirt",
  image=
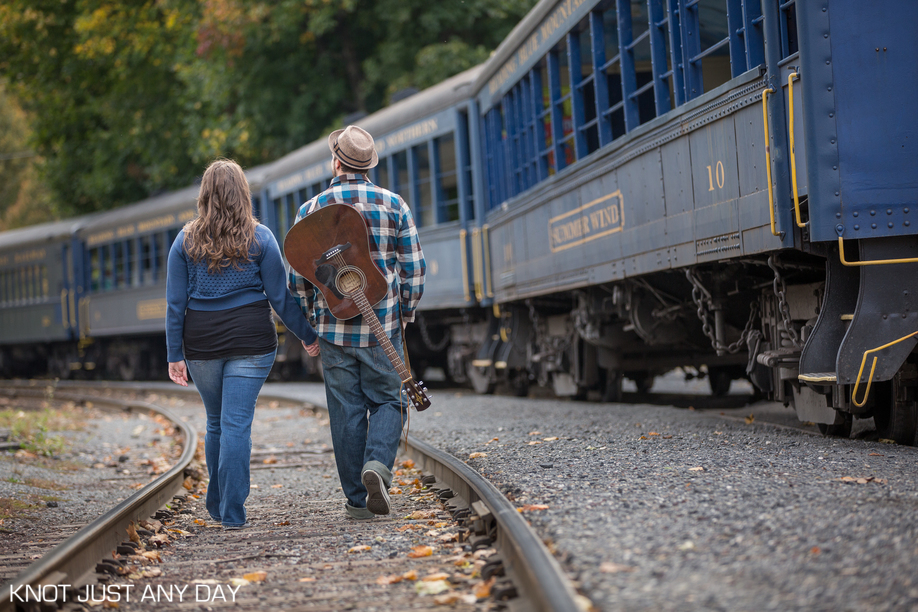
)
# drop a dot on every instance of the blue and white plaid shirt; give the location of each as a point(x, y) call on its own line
point(394, 247)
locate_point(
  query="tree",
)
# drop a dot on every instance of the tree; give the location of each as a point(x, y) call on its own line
point(131, 98)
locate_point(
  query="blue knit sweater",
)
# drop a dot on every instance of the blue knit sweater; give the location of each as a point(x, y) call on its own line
point(190, 285)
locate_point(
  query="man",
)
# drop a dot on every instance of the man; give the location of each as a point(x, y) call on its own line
point(359, 378)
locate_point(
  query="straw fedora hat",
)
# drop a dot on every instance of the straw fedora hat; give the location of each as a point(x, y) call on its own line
point(354, 147)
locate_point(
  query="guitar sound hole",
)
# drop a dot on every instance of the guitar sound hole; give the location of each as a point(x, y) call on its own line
point(350, 281)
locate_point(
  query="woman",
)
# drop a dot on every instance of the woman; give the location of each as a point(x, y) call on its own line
point(224, 270)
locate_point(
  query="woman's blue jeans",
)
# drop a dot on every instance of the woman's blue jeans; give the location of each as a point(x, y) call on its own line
point(365, 410)
point(229, 388)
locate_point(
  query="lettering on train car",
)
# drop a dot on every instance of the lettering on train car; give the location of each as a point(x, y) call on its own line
point(106, 236)
point(560, 20)
point(410, 133)
point(4, 260)
point(601, 217)
point(157, 223)
point(151, 309)
point(308, 175)
point(126, 230)
point(433, 268)
point(27, 256)
point(188, 215)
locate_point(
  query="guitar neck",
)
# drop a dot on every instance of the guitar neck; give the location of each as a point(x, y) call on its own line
point(376, 327)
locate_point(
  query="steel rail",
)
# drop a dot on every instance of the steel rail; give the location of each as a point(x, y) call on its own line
point(532, 568)
point(73, 560)
point(539, 578)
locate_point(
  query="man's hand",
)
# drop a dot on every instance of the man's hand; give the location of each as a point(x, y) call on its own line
point(312, 349)
point(178, 372)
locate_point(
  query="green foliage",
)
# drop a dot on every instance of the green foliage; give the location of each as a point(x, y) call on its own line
point(32, 429)
point(130, 98)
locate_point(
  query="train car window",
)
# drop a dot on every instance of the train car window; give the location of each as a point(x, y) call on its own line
point(133, 262)
point(43, 274)
point(424, 185)
point(788, 28)
point(256, 207)
point(381, 173)
point(447, 178)
point(280, 216)
point(105, 262)
point(613, 117)
point(95, 271)
point(316, 189)
point(464, 148)
point(146, 260)
point(562, 120)
point(120, 264)
point(402, 185)
point(291, 207)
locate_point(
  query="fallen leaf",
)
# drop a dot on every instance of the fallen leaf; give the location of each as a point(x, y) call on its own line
point(407, 464)
point(393, 579)
point(477, 455)
point(886, 441)
point(447, 598)
point(132, 533)
point(309, 579)
point(483, 589)
point(687, 545)
point(205, 581)
point(277, 486)
point(614, 568)
point(551, 439)
point(875, 455)
point(642, 438)
point(238, 582)
point(282, 524)
point(535, 442)
point(653, 433)
point(270, 460)
point(432, 588)
point(255, 576)
point(357, 549)
point(410, 575)
point(160, 539)
point(199, 522)
point(535, 433)
point(667, 437)
point(533, 507)
point(420, 551)
point(153, 555)
point(395, 491)
point(718, 433)
point(422, 514)
point(436, 576)
point(492, 440)
point(696, 469)
point(815, 550)
point(255, 486)
point(749, 419)
point(188, 484)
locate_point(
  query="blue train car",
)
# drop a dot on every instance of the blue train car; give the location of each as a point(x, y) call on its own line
point(425, 145)
point(674, 182)
point(38, 297)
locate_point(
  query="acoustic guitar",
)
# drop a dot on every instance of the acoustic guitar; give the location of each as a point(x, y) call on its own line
point(330, 247)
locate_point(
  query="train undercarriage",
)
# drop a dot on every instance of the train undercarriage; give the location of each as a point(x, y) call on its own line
point(804, 329)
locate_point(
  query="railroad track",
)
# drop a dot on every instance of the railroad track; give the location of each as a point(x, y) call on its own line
point(488, 519)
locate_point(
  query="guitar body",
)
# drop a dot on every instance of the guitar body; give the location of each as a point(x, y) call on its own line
point(330, 248)
point(336, 276)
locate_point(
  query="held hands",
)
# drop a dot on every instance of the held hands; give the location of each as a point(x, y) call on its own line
point(178, 372)
point(312, 349)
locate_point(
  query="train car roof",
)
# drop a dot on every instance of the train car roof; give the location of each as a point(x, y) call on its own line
point(43, 232)
point(432, 100)
point(512, 42)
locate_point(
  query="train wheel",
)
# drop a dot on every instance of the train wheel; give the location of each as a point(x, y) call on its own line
point(482, 379)
point(519, 383)
point(643, 381)
point(896, 417)
point(842, 430)
point(613, 387)
point(719, 379)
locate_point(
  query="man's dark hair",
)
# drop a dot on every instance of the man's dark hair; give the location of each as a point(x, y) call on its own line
point(348, 170)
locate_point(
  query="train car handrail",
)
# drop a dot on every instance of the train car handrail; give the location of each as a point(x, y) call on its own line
point(793, 157)
point(771, 193)
point(873, 367)
point(463, 256)
point(875, 262)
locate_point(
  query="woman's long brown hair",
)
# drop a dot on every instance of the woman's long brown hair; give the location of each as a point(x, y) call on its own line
point(224, 230)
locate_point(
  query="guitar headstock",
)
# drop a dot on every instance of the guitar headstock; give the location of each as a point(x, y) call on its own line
point(417, 394)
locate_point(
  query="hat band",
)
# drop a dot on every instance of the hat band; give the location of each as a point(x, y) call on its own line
point(352, 161)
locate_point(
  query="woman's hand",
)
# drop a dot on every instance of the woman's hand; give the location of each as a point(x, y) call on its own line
point(312, 349)
point(178, 372)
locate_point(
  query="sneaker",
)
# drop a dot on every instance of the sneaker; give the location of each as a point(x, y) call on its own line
point(236, 527)
point(377, 495)
point(358, 514)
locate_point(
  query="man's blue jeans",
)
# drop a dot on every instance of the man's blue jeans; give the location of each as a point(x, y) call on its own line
point(363, 391)
point(229, 388)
